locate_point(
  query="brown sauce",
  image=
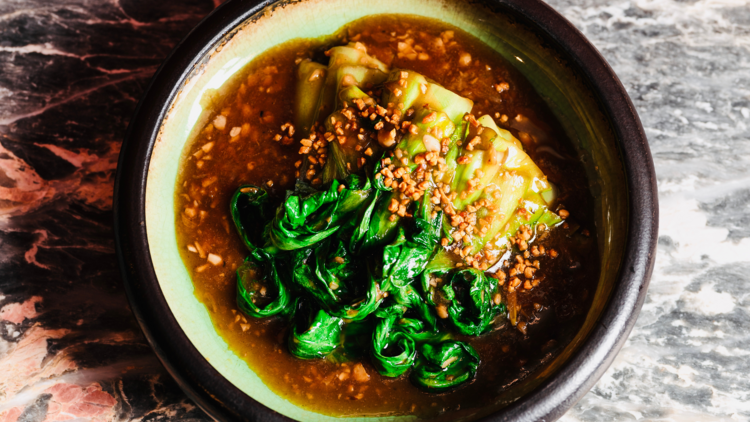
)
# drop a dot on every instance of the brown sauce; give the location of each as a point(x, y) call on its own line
point(260, 101)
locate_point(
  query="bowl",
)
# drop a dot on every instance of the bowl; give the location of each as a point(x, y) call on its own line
point(572, 77)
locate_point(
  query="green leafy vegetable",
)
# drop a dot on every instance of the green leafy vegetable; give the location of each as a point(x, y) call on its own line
point(338, 281)
point(470, 294)
point(308, 216)
point(445, 365)
point(394, 351)
point(249, 205)
point(381, 226)
point(260, 290)
point(349, 65)
point(314, 333)
point(408, 297)
point(414, 91)
point(344, 158)
point(355, 262)
point(414, 245)
point(494, 171)
point(436, 272)
point(311, 77)
point(383, 221)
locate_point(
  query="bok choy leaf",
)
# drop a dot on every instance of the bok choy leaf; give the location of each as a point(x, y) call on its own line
point(308, 216)
point(444, 365)
point(260, 290)
point(470, 293)
point(379, 259)
point(314, 333)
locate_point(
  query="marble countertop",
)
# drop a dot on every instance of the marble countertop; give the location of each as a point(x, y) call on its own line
point(71, 75)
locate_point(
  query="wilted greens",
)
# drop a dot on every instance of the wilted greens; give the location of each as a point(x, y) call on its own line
point(401, 206)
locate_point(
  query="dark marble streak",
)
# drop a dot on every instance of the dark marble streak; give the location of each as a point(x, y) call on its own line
point(70, 77)
point(730, 211)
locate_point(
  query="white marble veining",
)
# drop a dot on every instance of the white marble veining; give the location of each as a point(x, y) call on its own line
point(686, 66)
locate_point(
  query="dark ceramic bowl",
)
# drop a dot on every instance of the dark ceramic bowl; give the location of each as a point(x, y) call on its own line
point(579, 87)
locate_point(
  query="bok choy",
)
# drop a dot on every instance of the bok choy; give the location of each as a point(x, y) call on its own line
point(402, 204)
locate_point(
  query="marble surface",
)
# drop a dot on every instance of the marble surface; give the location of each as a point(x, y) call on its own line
point(71, 74)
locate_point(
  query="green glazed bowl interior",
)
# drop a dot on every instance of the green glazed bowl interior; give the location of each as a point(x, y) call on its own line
point(564, 91)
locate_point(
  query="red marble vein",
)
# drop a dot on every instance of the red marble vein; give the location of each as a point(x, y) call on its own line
point(11, 415)
point(91, 183)
point(71, 401)
point(18, 312)
point(28, 189)
point(25, 362)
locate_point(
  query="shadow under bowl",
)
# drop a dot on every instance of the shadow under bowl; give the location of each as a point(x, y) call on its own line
point(562, 66)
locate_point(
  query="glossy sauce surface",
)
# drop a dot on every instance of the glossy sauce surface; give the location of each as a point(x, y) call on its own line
point(242, 151)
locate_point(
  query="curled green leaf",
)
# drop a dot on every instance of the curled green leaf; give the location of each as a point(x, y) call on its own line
point(435, 273)
point(338, 280)
point(358, 232)
point(444, 365)
point(470, 294)
point(308, 216)
point(260, 290)
point(314, 333)
point(406, 257)
point(249, 206)
point(394, 351)
point(407, 296)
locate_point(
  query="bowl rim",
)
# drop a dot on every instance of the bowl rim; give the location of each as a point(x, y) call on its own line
point(224, 401)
